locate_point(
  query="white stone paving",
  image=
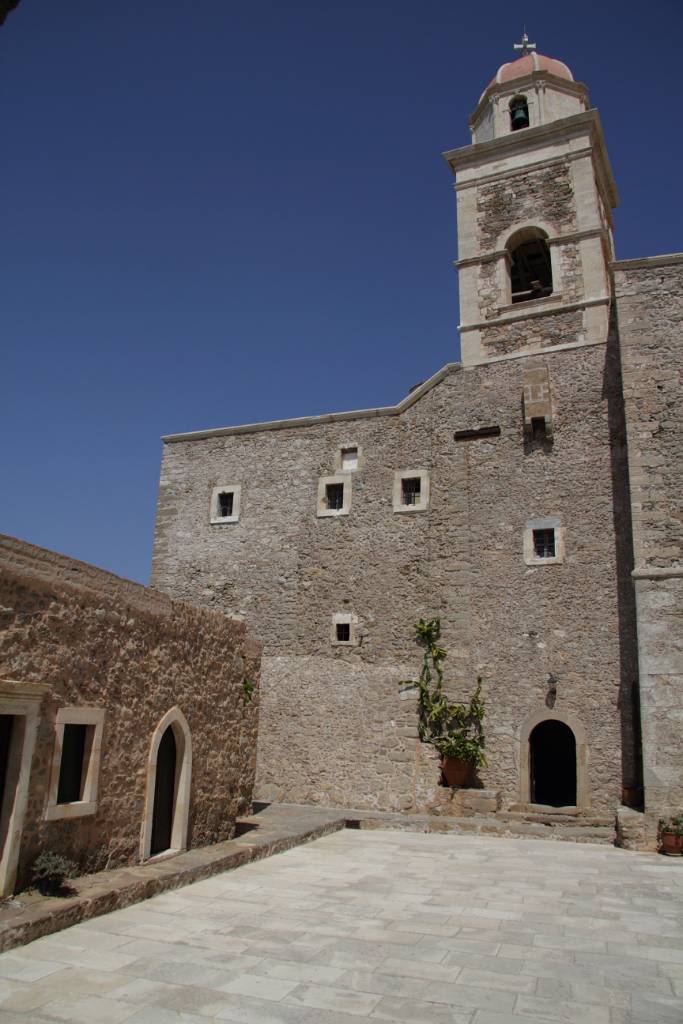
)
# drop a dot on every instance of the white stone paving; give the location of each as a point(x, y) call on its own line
point(387, 926)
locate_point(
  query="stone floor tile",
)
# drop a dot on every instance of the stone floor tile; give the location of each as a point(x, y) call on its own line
point(498, 981)
point(24, 968)
point(317, 974)
point(260, 987)
point(650, 1006)
point(325, 997)
point(87, 1010)
point(468, 996)
point(383, 984)
point(565, 1012)
point(415, 1011)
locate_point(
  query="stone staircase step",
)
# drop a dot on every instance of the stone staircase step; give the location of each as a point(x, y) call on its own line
point(569, 830)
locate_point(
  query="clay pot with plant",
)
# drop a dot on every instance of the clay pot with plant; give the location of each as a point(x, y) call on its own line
point(671, 836)
point(454, 730)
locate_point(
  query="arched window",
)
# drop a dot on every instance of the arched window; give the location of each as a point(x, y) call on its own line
point(519, 113)
point(531, 275)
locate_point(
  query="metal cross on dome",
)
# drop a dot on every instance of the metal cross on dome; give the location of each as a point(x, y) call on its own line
point(525, 46)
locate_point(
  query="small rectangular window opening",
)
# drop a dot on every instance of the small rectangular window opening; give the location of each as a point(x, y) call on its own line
point(544, 543)
point(334, 496)
point(343, 632)
point(538, 431)
point(349, 459)
point(410, 490)
point(70, 788)
point(225, 504)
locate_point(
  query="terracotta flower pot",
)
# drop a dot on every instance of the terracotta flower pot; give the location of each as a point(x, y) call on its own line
point(672, 844)
point(456, 772)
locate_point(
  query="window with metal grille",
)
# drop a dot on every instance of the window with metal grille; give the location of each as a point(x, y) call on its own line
point(334, 496)
point(71, 773)
point(544, 543)
point(410, 490)
point(225, 503)
point(343, 632)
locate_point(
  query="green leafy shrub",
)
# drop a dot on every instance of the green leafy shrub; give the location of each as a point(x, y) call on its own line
point(50, 872)
point(455, 730)
point(672, 825)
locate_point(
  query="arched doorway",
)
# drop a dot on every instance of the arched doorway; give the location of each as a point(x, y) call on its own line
point(169, 775)
point(164, 794)
point(552, 764)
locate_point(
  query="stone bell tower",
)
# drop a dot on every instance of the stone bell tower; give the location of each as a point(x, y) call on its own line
point(534, 197)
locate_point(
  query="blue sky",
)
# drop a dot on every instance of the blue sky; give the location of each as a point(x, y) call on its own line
point(216, 213)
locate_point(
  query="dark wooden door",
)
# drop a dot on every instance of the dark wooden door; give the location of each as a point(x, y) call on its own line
point(164, 794)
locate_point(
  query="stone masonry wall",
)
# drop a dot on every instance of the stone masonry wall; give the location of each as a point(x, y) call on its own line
point(650, 320)
point(334, 728)
point(94, 640)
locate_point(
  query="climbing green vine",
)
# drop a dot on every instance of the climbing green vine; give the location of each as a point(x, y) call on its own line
point(455, 730)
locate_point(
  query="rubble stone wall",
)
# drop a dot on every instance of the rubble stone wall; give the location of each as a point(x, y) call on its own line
point(334, 727)
point(94, 640)
point(650, 320)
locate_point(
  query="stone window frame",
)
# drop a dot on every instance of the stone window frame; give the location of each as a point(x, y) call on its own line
point(174, 718)
point(337, 478)
point(406, 474)
point(22, 701)
point(544, 523)
point(339, 458)
point(345, 619)
point(236, 491)
point(94, 718)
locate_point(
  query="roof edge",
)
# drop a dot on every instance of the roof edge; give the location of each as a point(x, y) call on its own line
point(642, 263)
point(331, 417)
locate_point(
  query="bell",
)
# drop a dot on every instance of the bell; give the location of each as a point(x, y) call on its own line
point(520, 118)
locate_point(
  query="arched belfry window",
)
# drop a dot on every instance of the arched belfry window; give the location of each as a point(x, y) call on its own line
point(519, 113)
point(531, 275)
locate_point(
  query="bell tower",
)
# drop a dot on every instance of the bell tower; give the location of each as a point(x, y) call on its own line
point(535, 195)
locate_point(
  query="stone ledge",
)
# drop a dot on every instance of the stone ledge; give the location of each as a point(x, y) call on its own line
point(275, 829)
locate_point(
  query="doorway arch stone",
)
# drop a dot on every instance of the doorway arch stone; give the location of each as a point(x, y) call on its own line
point(176, 721)
point(573, 723)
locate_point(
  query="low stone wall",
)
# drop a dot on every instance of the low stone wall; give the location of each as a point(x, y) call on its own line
point(83, 638)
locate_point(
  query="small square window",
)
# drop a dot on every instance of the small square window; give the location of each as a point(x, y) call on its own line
point(411, 490)
point(344, 629)
point(225, 503)
point(544, 543)
point(334, 496)
point(75, 767)
point(349, 459)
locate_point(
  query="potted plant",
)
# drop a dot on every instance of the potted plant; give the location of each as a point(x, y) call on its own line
point(671, 836)
point(454, 730)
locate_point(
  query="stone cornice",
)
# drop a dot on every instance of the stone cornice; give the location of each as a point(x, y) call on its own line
point(569, 346)
point(646, 262)
point(570, 307)
point(515, 172)
point(332, 417)
point(571, 236)
point(520, 142)
point(17, 689)
point(657, 573)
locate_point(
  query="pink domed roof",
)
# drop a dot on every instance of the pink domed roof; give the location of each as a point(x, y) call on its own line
point(525, 65)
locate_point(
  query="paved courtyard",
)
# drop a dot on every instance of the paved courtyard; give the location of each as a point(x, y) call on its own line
point(388, 926)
